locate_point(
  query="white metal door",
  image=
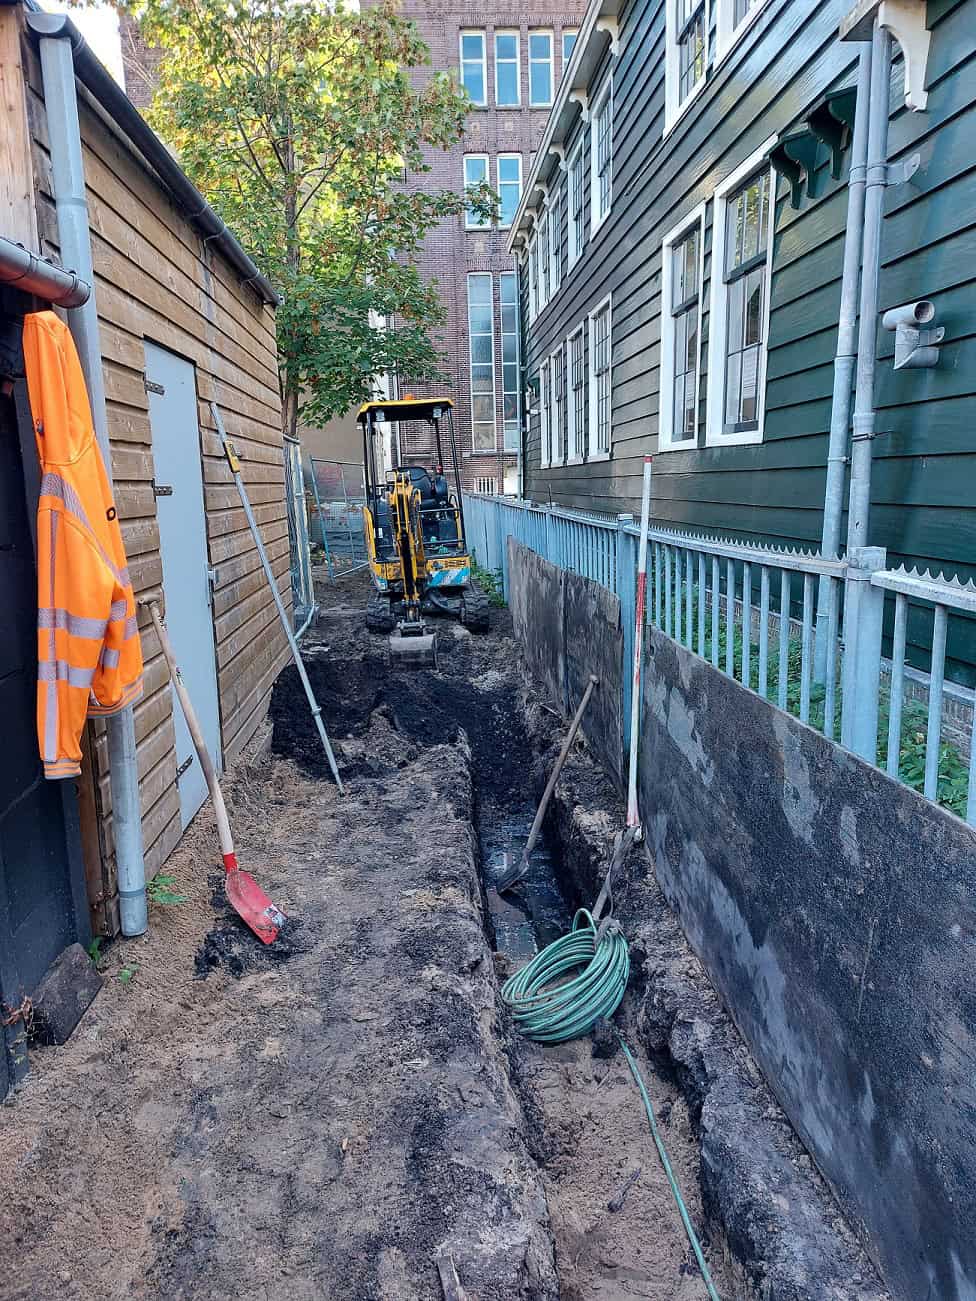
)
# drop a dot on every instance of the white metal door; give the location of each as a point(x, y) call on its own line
point(171, 383)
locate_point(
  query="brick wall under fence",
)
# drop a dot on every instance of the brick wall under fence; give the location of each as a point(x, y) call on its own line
point(569, 627)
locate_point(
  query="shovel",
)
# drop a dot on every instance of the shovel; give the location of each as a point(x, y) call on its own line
point(512, 875)
point(243, 893)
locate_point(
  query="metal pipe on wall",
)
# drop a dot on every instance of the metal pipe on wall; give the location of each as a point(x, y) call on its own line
point(845, 356)
point(21, 269)
point(876, 181)
point(74, 235)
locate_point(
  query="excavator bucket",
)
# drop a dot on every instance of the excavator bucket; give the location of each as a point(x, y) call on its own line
point(412, 647)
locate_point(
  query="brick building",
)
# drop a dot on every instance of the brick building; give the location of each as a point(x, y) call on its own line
point(511, 61)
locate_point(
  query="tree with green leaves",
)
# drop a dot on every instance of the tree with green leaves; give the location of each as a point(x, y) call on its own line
point(299, 121)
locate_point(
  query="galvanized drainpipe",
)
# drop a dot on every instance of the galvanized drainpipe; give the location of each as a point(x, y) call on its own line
point(877, 177)
point(57, 66)
point(846, 354)
point(861, 684)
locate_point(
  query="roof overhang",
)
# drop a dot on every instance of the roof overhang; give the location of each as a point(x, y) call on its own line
point(597, 32)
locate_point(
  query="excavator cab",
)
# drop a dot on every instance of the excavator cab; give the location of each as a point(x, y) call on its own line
point(414, 523)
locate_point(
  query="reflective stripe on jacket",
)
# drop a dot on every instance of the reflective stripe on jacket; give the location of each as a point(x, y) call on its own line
point(89, 658)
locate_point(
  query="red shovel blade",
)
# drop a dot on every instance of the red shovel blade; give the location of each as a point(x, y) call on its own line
point(251, 903)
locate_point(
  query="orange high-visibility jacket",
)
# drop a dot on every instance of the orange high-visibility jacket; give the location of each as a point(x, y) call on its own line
point(89, 659)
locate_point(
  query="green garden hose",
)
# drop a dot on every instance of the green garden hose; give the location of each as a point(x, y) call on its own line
point(554, 1013)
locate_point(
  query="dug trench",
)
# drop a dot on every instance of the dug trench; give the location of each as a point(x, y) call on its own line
point(322, 1119)
point(767, 1223)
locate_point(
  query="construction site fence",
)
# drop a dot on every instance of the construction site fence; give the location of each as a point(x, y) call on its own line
point(806, 632)
point(338, 490)
point(302, 586)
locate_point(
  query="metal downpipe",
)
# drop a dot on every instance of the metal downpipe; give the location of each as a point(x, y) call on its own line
point(846, 353)
point(57, 66)
point(21, 269)
point(864, 413)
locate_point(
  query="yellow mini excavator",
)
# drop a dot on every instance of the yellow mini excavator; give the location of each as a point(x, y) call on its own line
point(415, 539)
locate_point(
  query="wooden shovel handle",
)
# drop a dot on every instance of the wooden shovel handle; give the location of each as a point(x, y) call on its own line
point(199, 744)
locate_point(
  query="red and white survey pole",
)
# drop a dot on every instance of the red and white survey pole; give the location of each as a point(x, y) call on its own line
point(633, 817)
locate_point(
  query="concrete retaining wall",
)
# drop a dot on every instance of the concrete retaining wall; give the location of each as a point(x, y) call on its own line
point(835, 911)
point(569, 627)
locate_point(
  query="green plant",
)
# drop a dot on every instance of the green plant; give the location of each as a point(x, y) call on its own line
point(127, 972)
point(159, 890)
point(95, 949)
point(300, 122)
point(490, 582)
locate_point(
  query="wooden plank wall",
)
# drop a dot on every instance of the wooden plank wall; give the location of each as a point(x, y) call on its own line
point(923, 509)
point(155, 280)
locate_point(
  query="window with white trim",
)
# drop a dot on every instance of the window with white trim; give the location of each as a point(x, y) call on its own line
point(540, 69)
point(742, 254)
point(507, 87)
point(558, 409)
point(576, 407)
point(555, 237)
point(475, 174)
point(686, 54)
point(545, 261)
point(532, 272)
point(486, 486)
point(511, 398)
point(600, 382)
point(576, 190)
point(481, 343)
point(545, 397)
point(732, 17)
point(474, 67)
point(569, 42)
point(682, 264)
point(509, 187)
point(601, 157)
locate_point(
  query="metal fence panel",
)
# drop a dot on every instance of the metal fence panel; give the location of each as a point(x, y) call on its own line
point(339, 490)
point(302, 587)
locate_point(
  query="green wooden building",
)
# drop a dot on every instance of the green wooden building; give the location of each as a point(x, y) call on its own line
point(680, 246)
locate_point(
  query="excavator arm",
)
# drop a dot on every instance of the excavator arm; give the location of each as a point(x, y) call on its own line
point(410, 643)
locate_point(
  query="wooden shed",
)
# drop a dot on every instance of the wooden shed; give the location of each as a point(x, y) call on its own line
point(180, 324)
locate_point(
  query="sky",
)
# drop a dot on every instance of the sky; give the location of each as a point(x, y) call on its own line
point(99, 24)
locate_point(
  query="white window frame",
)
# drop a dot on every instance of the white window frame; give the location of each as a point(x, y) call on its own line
point(574, 435)
point(545, 393)
point(482, 451)
point(574, 33)
point(474, 31)
point(726, 34)
point(544, 259)
point(557, 412)
point(718, 307)
point(509, 31)
point(502, 225)
point(470, 222)
point(677, 235)
point(555, 213)
point(503, 334)
point(673, 109)
point(543, 31)
point(592, 452)
point(575, 251)
point(532, 275)
point(604, 98)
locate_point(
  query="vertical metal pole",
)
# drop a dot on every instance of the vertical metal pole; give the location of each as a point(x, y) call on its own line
point(846, 353)
point(318, 507)
point(74, 238)
point(626, 585)
point(897, 685)
point(933, 734)
point(633, 817)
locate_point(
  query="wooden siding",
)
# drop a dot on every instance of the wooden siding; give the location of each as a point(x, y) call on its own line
point(924, 509)
point(155, 280)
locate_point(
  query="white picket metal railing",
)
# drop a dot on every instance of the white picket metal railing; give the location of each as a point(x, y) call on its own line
point(771, 619)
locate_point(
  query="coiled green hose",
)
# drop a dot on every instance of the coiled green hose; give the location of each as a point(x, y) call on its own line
point(555, 1013)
